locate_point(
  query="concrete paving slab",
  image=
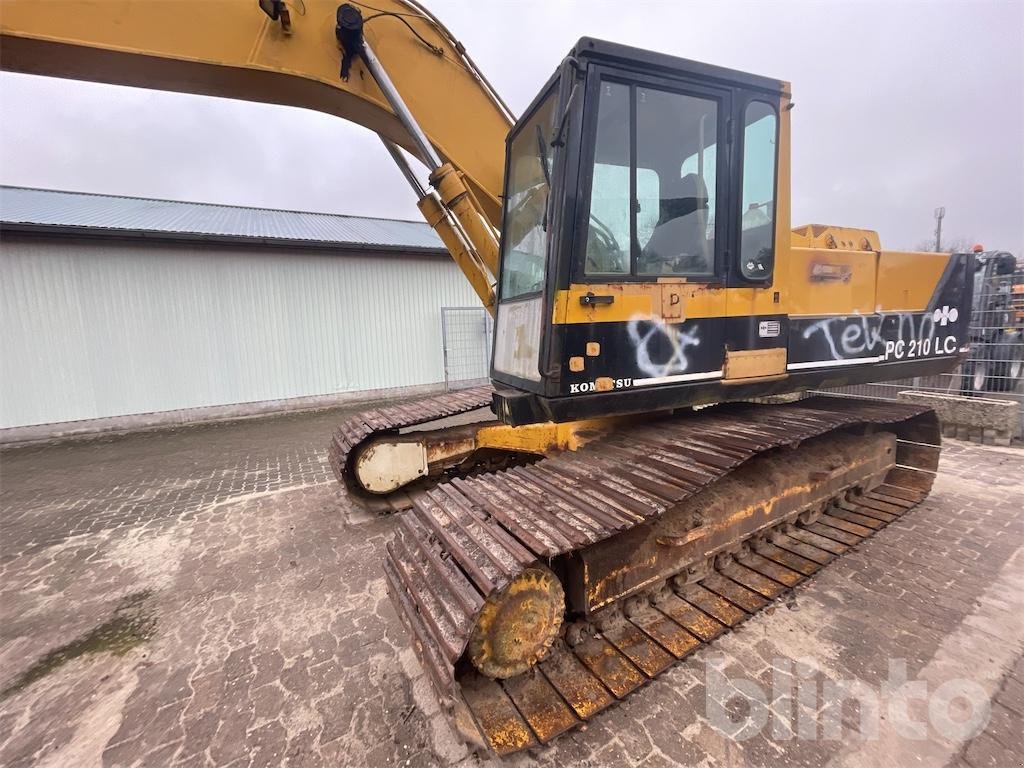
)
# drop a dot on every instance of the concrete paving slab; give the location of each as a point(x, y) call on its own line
point(198, 598)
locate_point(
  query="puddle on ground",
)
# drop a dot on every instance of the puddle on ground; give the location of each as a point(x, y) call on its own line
point(132, 624)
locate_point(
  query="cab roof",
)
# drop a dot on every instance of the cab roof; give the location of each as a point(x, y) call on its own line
point(602, 51)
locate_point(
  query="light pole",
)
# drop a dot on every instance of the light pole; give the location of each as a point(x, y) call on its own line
point(939, 214)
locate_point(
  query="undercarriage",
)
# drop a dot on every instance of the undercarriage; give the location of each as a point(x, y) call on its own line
point(542, 593)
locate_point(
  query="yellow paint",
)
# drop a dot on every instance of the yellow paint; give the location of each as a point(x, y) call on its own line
point(576, 364)
point(840, 238)
point(906, 281)
point(808, 281)
point(783, 236)
point(548, 436)
point(811, 295)
point(460, 200)
point(742, 302)
point(644, 301)
point(593, 349)
point(606, 590)
point(636, 301)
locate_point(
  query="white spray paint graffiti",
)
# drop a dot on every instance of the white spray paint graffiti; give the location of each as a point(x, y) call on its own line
point(848, 336)
point(862, 335)
point(643, 331)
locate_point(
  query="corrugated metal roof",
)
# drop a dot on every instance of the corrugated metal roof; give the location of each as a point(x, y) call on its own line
point(43, 209)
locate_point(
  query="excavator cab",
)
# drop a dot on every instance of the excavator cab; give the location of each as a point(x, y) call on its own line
point(647, 259)
point(638, 188)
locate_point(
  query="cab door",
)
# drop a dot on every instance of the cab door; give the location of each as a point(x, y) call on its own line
point(646, 306)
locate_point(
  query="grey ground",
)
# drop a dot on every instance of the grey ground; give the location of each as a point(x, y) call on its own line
point(205, 596)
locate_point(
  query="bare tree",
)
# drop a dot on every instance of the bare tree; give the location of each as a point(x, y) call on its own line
point(954, 245)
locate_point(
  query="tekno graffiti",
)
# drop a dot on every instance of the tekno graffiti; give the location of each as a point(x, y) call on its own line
point(893, 335)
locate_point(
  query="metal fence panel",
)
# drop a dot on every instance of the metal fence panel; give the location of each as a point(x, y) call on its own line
point(467, 333)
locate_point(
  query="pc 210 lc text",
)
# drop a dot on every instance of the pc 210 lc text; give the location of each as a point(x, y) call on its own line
point(900, 349)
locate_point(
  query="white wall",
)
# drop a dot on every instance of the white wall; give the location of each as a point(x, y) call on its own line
point(96, 328)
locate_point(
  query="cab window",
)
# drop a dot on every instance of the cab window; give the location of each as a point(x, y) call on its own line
point(757, 219)
point(653, 184)
point(524, 236)
point(671, 127)
point(608, 232)
point(705, 166)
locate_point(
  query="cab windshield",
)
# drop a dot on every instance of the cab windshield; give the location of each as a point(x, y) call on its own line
point(524, 240)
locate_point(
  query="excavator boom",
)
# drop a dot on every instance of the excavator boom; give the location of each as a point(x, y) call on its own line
point(230, 49)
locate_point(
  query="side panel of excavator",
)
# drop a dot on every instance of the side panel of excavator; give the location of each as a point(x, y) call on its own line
point(653, 264)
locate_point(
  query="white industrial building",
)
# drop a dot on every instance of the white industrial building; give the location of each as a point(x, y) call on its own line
point(122, 312)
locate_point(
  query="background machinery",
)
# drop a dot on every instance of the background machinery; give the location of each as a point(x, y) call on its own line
point(594, 526)
point(996, 362)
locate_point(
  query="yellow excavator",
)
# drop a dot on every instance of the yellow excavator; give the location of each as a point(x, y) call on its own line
point(633, 487)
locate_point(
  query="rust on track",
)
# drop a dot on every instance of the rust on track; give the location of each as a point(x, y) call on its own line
point(466, 540)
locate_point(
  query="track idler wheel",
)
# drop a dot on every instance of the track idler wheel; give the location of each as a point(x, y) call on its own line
point(518, 624)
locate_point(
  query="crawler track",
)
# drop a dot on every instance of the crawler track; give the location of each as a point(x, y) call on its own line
point(360, 429)
point(465, 539)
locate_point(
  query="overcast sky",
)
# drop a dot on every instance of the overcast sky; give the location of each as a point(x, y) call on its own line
point(901, 107)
